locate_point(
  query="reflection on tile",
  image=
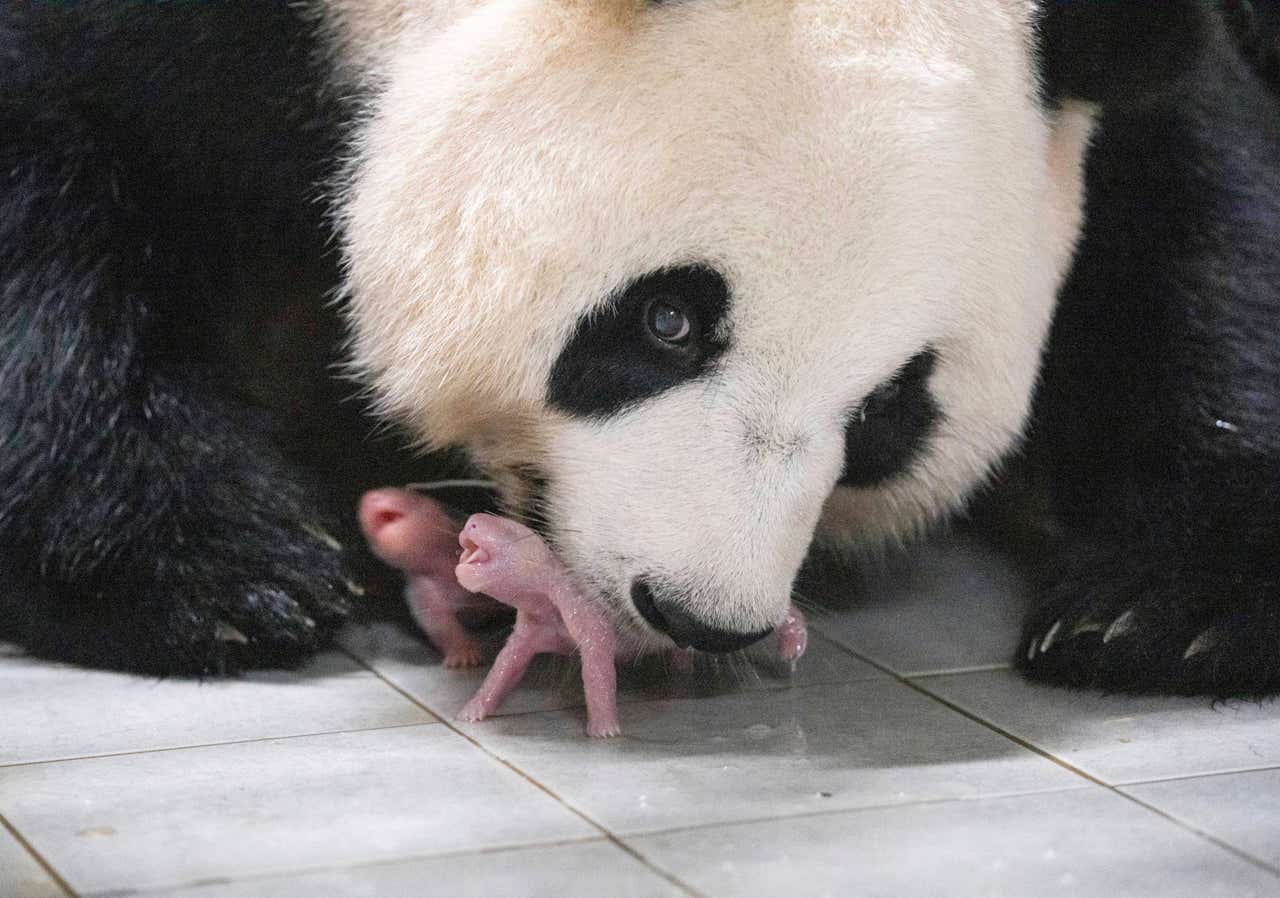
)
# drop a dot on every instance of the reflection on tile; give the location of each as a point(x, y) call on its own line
point(1119, 738)
point(1081, 843)
point(52, 711)
point(1242, 809)
point(952, 605)
point(582, 870)
point(841, 781)
point(162, 818)
point(767, 753)
point(412, 665)
point(20, 875)
point(554, 682)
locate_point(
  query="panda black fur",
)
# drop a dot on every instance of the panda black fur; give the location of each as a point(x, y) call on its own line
point(168, 472)
point(1159, 410)
point(160, 166)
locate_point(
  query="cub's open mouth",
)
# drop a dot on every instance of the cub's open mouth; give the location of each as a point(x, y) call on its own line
point(471, 553)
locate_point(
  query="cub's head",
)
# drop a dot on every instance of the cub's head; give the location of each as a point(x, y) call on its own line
point(691, 278)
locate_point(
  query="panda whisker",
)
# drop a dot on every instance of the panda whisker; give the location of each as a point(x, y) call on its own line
point(806, 604)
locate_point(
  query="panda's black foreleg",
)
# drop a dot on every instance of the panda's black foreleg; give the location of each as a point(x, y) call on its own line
point(1179, 595)
point(146, 521)
point(169, 541)
point(1158, 413)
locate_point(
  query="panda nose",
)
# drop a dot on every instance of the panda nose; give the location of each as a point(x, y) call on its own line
point(684, 629)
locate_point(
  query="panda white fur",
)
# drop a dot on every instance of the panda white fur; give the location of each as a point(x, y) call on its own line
point(696, 283)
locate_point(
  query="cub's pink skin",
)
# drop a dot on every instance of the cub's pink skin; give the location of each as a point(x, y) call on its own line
point(414, 534)
point(445, 568)
point(510, 562)
point(793, 636)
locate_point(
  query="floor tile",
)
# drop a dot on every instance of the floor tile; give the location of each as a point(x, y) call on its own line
point(1086, 844)
point(161, 818)
point(1242, 809)
point(583, 870)
point(951, 605)
point(415, 667)
point(20, 875)
point(1120, 738)
point(767, 753)
point(555, 682)
point(52, 711)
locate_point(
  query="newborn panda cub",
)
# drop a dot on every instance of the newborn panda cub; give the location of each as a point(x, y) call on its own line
point(449, 570)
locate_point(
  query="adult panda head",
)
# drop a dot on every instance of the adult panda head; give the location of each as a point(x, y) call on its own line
point(689, 279)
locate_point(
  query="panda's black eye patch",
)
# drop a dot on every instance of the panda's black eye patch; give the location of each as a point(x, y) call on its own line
point(661, 330)
point(887, 432)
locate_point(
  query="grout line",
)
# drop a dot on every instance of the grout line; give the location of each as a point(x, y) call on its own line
point(839, 640)
point(1029, 746)
point(916, 687)
point(782, 685)
point(958, 671)
point(1207, 836)
point(168, 889)
point(837, 812)
point(168, 748)
point(53, 874)
point(1197, 776)
point(1115, 790)
point(909, 683)
point(615, 840)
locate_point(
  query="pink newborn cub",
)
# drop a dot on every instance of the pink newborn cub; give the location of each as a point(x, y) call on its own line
point(414, 534)
point(511, 563)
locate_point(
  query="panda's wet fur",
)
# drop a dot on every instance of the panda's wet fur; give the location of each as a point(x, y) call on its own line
point(169, 476)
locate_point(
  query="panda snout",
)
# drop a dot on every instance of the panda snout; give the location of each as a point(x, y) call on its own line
point(686, 630)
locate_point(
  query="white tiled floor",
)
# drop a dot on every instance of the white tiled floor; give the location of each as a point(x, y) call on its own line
point(901, 759)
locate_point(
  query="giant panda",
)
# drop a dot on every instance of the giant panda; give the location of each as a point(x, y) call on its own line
point(699, 285)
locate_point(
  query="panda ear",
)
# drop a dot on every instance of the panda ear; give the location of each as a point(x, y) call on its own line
point(1117, 52)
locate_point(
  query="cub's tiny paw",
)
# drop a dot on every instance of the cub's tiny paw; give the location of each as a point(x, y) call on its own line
point(464, 656)
point(471, 712)
point(606, 729)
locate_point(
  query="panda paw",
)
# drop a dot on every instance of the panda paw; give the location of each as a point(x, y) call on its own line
point(1116, 620)
point(259, 588)
point(274, 598)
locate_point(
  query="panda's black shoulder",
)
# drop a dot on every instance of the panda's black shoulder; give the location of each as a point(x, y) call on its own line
point(1112, 53)
point(1167, 317)
point(228, 101)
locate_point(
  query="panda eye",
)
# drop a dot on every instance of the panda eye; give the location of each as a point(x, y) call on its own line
point(668, 320)
point(661, 330)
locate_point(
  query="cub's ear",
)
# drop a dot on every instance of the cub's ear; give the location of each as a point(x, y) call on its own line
point(1117, 52)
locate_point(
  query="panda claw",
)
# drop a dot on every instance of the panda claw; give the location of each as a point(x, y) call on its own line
point(321, 535)
point(1119, 627)
point(1049, 637)
point(227, 633)
point(1207, 641)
